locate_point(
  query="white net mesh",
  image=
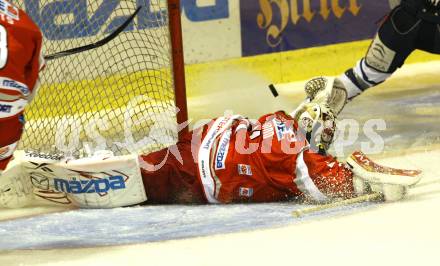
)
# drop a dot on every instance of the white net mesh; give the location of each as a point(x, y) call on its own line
point(118, 97)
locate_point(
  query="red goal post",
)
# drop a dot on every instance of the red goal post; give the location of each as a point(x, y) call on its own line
point(176, 37)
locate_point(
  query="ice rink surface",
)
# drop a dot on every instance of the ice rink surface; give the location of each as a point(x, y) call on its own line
point(401, 233)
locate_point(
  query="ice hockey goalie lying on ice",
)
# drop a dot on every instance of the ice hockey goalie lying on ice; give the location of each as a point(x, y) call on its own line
point(231, 159)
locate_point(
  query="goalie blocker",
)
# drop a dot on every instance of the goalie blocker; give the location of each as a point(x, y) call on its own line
point(207, 166)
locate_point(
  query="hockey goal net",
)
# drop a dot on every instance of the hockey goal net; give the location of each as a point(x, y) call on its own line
point(120, 97)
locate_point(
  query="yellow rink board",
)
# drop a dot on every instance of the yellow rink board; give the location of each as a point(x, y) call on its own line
point(276, 68)
point(296, 65)
point(114, 93)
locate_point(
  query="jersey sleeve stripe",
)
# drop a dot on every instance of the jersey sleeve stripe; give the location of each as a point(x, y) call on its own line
point(305, 183)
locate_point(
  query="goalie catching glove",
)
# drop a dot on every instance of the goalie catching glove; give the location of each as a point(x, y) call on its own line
point(369, 176)
point(327, 91)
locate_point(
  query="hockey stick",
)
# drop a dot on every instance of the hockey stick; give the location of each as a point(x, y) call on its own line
point(364, 198)
point(96, 44)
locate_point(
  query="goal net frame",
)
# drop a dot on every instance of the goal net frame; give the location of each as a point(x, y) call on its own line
point(176, 63)
point(176, 37)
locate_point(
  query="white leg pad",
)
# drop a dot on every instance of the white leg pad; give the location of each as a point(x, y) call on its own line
point(390, 182)
point(96, 182)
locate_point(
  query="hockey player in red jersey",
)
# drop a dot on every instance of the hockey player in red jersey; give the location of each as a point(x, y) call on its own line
point(234, 160)
point(231, 159)
point(20, 63)
point(278, 158)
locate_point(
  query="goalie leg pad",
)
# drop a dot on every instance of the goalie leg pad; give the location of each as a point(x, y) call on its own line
point(369, 176)
point(15, 187)
point(390, 192)
point(96, 182)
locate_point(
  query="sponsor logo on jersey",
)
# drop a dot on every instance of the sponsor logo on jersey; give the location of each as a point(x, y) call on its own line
point(3, 152)
point(244, 169)
point(9, 10)
point(213, 134)
point(11, 109)
point(245, 192)
point(267, 130)
point(281, 129)
point(222, 151)
point(21, 119)
point(7, 151)
point(8, 83)
point(202, 166)
point(89, 186)
point(5, 108)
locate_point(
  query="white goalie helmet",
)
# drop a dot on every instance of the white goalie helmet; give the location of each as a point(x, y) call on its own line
point(318, 122)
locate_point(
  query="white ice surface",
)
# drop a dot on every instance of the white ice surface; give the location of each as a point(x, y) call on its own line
point(402, 233)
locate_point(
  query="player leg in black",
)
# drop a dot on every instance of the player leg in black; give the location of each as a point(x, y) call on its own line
point(429, 38)
point(396, 39)
point(429, 13)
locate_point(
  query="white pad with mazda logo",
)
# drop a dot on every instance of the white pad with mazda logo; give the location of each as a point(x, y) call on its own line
point(103, 181)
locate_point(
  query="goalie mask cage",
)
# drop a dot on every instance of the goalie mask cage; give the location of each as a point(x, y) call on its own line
point(122, 96)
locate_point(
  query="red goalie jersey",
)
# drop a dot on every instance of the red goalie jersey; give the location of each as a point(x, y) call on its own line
point(20, 63)
point(235, 160)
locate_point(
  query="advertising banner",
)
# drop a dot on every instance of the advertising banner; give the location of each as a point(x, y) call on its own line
point(222, 29)
point(269, 26)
